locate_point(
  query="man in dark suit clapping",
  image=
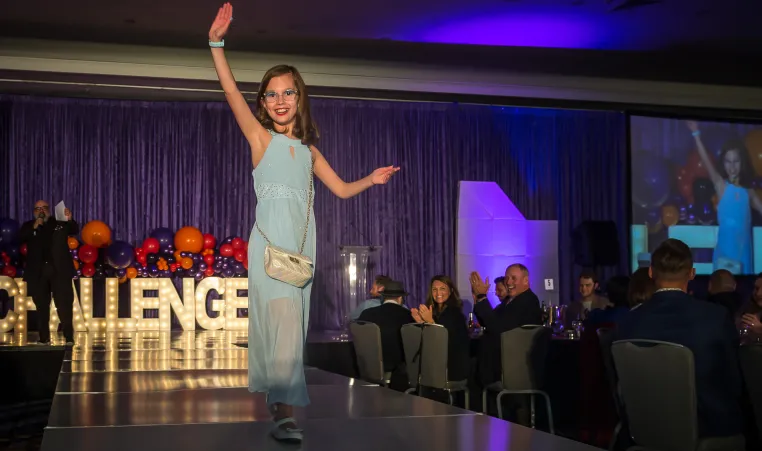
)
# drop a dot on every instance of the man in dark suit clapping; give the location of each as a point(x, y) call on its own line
point(390, 317)
point(49, 267)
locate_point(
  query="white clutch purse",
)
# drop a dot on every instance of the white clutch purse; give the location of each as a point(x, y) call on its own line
point(290, 267)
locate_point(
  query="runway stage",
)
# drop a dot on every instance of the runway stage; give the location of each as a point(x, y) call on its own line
point(187, 391)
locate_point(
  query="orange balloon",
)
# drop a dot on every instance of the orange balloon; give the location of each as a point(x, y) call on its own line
point(716, 201)
point(178, 257)
point(189, 239)
point(186, 262)
point(96, 234)
point(123, 280)
point(132, 273)
point(76, 264)
point(669, 215)
point(72, 242)
point(753, 143)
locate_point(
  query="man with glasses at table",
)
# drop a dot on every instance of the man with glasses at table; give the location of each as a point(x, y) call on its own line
point(50, 268)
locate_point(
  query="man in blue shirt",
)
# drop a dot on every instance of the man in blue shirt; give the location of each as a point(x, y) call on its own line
point(375, 297)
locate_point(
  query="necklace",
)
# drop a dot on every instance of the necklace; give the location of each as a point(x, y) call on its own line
point(669, 289)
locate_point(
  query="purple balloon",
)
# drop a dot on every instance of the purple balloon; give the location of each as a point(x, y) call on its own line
point(199, 276)
point(165, 237)
point(121, 273)
point(228, 240)
point(650, 181)
point(192, 272)
point(239, 269)
point(120, 254)
point(9, 229)
point(197, 259)
point(202, 266)
point(228, 272)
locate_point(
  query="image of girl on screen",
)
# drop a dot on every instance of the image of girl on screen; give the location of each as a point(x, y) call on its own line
point(735, 199)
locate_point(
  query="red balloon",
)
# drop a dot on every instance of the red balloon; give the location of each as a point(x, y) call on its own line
point(88, 270)
point(142, 259)
point(209, 259)
point(240, 255)
point(209, 272)
point(210, 242)
point(246, 264)
point(151, 246)
point(695, 166)
point(88, 253)
point(226, 250)
point(237, 243)
point(23, 249)
point(10, 271)
point(173, 267)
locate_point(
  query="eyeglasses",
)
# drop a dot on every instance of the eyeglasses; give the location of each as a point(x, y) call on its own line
point(41, 208)
point(289, 95)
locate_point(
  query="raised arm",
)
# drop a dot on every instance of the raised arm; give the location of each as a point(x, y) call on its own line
point(255, 134)
point(345, 190)
point(719, 184)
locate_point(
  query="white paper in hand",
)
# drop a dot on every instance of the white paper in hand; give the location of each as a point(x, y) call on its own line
point(60, 208)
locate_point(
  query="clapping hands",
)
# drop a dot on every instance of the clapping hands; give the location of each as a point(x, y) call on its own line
point(422, 314)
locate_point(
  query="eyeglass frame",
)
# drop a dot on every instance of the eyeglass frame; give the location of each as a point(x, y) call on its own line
point(278, 95)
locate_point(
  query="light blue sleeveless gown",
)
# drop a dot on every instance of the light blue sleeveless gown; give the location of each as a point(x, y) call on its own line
point(734, 232)
point(278, 312)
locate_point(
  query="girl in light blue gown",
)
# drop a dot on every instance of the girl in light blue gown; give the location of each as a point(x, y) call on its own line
point(735, 201)
point(282, 138)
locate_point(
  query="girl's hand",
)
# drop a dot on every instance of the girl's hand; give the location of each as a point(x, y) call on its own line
point(382, 175)
point(221, 23)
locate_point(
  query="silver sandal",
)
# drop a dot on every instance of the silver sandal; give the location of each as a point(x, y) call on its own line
point(288, 434)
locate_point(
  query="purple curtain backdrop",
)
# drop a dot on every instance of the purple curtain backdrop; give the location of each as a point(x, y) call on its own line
point(141, 165)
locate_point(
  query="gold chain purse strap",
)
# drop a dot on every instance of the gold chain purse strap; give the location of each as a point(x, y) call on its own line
point(309, 209)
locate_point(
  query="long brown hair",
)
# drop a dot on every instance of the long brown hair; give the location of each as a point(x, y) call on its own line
point(304, 127)
point(454, 299)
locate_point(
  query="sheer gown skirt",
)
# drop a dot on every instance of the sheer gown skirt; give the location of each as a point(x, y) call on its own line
point(278, 317)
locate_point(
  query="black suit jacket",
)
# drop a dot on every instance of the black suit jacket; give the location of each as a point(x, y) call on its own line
point(48, 244)
point(389, 317)
point(458, 342)
point(522, 310)
point(707, 330)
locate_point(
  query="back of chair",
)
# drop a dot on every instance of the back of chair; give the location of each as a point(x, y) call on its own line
point(605, 339)
point(434, 355)
point(411, 343)
point(751, 365)
point(366, 338)
point(523, 352)
point(657, 382)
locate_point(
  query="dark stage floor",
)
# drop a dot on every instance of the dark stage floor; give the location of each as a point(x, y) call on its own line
point(187, 391)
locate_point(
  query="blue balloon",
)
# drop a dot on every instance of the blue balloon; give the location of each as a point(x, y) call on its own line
point(120, 255)
point(165, 236)
point(9, 229)
point(650, 181)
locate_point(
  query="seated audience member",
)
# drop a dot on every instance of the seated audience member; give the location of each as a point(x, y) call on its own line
point(722, 291)
point(616, 292)
point(750, 313)
point(706, 329)
point(590, 300)
point(443, 306)
point(390, 317)
point(501, 292)
point(641, 288)
point(522, 309)
point(375, 297)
